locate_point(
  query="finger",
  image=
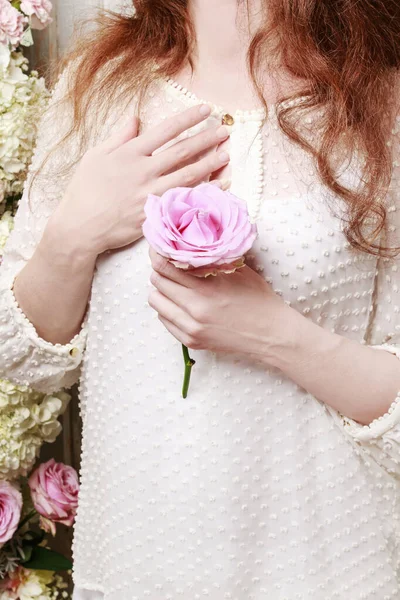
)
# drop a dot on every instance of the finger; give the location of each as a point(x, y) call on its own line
point(172, 128)
point(175, 292)
point(194, 173)
point(170, 311)
point(187, 150)
point(180, 335)
point(122, 136)
point(165, 268)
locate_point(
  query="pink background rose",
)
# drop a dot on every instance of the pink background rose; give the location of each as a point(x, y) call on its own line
point(199, 226)
point(10, 510)
point(39, 10)
point(54, 490)
point(11, 24)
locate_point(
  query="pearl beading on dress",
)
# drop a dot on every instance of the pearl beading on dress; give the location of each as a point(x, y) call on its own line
point(253, 139)
point(216, 110)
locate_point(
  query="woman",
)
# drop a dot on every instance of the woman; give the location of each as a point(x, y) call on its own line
point(278, 476)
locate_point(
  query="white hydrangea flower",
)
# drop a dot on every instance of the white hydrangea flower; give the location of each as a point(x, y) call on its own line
point(27, 420)
point(6, 226)
point(23, 98)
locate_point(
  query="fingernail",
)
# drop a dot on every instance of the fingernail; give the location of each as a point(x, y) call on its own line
point(225, 184)
point(205, 110)
point(222, 132)
point(224, 157)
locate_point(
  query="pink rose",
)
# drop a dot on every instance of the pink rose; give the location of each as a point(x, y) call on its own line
point(10, 510)
point(198, 227)
point(11, 24)
point(39, 10)
point(54, 490)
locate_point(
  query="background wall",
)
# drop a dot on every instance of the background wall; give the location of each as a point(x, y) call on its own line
point(51, 43)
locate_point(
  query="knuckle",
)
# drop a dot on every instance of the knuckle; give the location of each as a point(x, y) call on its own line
point(198, 312)
point(192, 343)
point(189, 176)
point(214, 162)
point(152, 298)
point(194, 330)
point(155, 279)
point(210, 138)
point(170, 128)
point(182, 153)
point(159, 263)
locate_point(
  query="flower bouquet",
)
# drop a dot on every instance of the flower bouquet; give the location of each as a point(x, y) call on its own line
point(30, 506)
point(204, 229)
point(27, 511)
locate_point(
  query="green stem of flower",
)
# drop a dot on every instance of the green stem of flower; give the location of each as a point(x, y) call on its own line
point(25, 520)
point(189, 362)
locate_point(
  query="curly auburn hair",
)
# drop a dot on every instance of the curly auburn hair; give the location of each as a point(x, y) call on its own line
point(347, 52)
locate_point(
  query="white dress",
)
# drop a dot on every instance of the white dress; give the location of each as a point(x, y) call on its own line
point(249, 489)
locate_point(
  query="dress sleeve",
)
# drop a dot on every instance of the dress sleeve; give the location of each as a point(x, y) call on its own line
point(381, 438)
point(25, 358)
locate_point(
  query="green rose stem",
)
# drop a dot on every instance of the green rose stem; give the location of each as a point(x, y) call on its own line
point(189, 362)
point(25, 520)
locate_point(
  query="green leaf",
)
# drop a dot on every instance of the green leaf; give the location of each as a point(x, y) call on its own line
point(47, 560)
point(26, 553)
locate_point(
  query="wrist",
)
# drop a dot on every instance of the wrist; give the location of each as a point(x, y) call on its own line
point(65, 249)
point(66, 253)
point(297, 344)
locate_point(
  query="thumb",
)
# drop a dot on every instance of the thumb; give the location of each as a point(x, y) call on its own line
point(223, 184)
point(128, 132)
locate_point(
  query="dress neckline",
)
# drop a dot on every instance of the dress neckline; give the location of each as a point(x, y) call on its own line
point(191, 99)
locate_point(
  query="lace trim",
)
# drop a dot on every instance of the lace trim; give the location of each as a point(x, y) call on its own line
point(378, 427)
point(72, 350)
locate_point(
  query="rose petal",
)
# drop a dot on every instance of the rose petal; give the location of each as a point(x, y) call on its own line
point(199, 226)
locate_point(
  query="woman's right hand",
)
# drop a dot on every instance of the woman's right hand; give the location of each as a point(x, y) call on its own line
point(102, 208)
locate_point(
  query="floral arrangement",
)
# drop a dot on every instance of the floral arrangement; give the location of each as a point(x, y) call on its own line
point(31, 504)
point(23, 94)
point(205, 229)
point(28, 510)
point(27, 420)
point(23, 97)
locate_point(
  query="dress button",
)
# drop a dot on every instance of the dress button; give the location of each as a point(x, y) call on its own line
point(228, 120)
point(74, 352)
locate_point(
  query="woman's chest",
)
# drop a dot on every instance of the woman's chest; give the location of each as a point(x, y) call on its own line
point(301, 249)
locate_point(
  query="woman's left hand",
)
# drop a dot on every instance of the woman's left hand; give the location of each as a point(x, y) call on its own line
point(224, 313)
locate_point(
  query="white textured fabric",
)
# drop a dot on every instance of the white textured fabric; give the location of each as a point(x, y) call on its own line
point(250, 488)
